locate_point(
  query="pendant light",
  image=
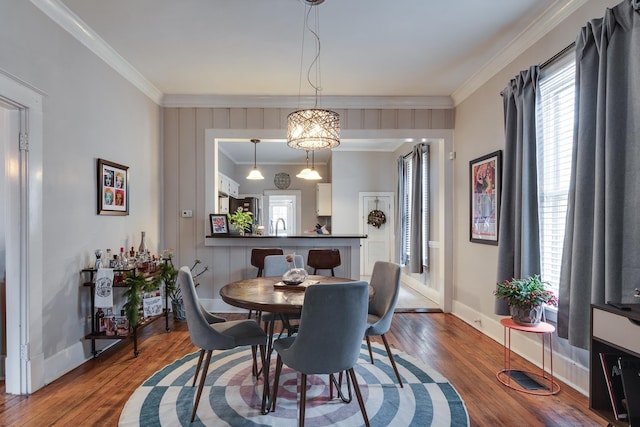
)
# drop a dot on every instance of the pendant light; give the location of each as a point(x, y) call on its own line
point(304, 172)
point(313, 128)
point(255, 173)
point(313, 174)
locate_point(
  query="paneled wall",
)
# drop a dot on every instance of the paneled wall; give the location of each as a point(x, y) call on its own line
point(184, 161)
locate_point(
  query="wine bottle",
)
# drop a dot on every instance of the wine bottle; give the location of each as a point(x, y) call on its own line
point(99, 321)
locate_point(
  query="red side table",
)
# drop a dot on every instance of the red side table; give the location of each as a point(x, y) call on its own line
point(504, 376)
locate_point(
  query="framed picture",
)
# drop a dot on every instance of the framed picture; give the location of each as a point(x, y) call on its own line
point(219, 224)
point(485, 187)
point(113, 188)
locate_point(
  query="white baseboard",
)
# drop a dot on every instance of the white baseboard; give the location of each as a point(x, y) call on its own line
point(420, 288)
point(528, 346)
point(65, 361)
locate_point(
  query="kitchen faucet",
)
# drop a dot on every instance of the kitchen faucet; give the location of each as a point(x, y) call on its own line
point(284, 226)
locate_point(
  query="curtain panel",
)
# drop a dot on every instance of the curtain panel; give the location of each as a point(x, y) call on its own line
point(519, 242)
point(601, 258)
point(402, 176)
point(419, 209)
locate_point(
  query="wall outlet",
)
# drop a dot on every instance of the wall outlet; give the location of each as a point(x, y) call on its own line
point(187, 213)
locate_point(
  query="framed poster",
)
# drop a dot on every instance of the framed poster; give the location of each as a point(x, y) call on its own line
point(113, 188)
point(485, 187)
point(219, 224)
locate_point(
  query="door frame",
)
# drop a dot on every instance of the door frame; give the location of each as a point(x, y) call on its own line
point(23, 180)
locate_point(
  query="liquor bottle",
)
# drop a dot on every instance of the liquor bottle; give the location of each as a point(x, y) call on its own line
point(143, 243)
point(99, 328)
point(108, 259)
point(123, 259)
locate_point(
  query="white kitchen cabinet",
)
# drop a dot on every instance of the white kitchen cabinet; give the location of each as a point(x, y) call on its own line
point(227, 186)
point(323, 199)
point(234, 188)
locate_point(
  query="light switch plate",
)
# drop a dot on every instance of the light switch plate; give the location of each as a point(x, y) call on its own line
point(187, 213)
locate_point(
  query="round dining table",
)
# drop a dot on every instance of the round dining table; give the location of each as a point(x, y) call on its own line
point(269, 294)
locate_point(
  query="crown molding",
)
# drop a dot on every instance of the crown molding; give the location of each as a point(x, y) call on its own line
point(70, 22)
point(295, 102)
point(538, 28)
point(75, 26)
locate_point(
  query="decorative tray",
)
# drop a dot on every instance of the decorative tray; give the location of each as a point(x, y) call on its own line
point(301, 287)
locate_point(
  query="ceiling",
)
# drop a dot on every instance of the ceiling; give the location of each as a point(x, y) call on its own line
point(429, 51)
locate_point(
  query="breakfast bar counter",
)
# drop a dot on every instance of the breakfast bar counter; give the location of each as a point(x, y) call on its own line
point(231, 254)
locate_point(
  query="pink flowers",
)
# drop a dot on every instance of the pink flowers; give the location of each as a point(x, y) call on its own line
point(527, 292)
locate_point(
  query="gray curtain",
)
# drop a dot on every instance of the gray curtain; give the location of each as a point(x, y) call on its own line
point(519, 241)
point(601, 258)
point(402, 172)
point(419, 213)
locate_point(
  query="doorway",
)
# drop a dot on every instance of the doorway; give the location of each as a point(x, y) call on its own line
point(378, 246)
point(4, 136)
point(283, 212)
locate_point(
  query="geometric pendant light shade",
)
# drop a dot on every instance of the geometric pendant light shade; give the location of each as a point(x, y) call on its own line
point(313, 129)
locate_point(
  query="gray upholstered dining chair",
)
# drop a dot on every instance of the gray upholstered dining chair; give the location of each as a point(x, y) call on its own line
point(324, 344)
point(216, 336)
point(210, 318)
point(385, 280)
point(277, 265)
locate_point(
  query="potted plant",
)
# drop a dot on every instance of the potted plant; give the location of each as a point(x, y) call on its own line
point(137, 283)
point(526, 298)
point(169, 276)
point(241, 220)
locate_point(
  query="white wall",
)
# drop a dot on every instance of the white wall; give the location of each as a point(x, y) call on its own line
point(479, 130)
point(354, 172)
point(89, 112)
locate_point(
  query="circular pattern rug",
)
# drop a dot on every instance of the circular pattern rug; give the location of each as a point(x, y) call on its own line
point(232, 396)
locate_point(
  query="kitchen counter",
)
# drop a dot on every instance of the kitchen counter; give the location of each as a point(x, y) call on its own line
point(301, 236)
point(230, 256)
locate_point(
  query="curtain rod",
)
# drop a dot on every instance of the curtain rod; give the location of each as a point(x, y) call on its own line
point(557, 56)
point(411, 152)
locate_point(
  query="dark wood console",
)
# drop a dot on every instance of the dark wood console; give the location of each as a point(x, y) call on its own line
point(614, 332)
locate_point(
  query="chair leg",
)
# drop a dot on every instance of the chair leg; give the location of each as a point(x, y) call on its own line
point(254, 367)
point(393, 362)
point(303, 398)
point(205, 368)
point(331, 381)
point(276, 380)
point(195, 377)
point(265, 383)
point(369, 346)
point(356, 386)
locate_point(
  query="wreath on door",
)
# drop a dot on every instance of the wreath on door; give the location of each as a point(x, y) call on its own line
point(376, 218)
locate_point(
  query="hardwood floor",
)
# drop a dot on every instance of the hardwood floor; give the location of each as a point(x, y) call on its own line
point(95, 393)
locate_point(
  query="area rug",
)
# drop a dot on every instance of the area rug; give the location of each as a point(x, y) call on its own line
point(232, 396)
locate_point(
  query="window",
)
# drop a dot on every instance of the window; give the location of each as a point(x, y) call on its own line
point(283, 212)
point(555, 116)
point(407, 202)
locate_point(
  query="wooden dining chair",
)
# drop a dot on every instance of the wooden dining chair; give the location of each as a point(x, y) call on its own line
point(323, 259)
point(258, 255)
point(216, 336)
point(324, 345)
